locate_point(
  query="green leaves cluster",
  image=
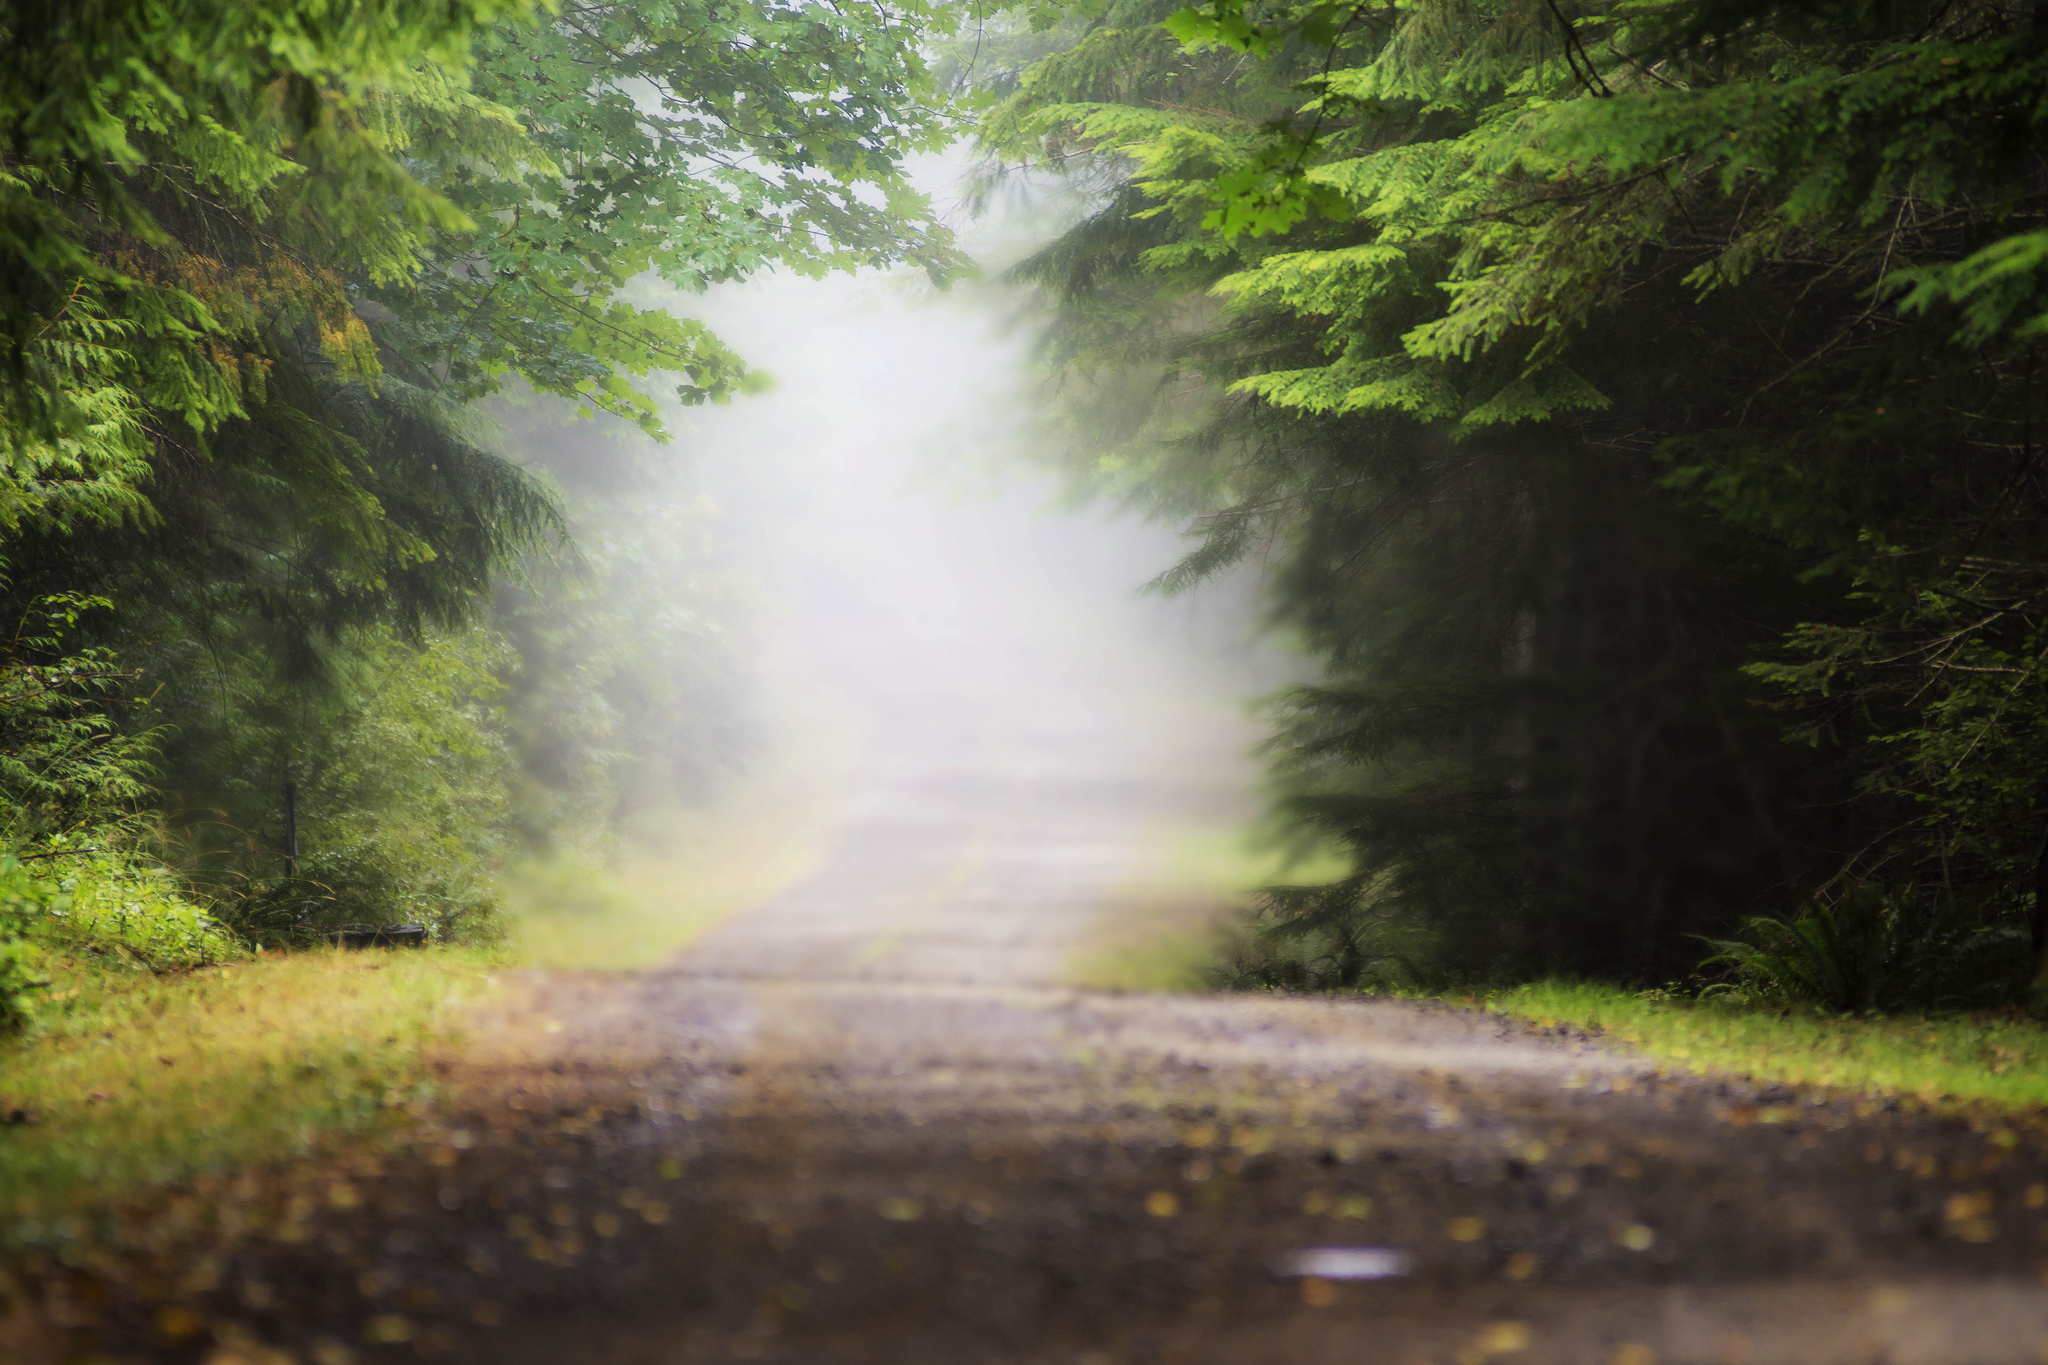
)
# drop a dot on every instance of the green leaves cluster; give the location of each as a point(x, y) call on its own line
point(23, 900)
point(67, 769)
point(691, 142)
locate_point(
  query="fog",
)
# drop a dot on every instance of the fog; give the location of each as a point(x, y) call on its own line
point(1025, 717)
point(882, 495)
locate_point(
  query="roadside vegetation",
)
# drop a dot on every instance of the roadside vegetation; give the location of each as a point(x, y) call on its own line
point(1177, 920)
point(131, 1077)
point(1971, 1060)
point(1191, 933)
point(679, 869)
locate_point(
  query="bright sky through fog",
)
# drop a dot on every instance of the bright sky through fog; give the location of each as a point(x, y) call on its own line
point(878, 491)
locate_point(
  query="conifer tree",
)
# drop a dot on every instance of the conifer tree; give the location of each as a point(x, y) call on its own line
point(258, 262)
point(1616, 378)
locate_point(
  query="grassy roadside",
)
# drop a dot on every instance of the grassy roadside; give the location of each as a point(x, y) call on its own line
point(1994, 1060)
point(1171, 927)
point(132, 1077)
point(685, 871)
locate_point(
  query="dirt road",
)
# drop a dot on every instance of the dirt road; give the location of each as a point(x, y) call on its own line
point(865, 1123)
point(901, 1141)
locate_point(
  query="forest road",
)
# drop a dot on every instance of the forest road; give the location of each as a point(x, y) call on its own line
point(865, 1123)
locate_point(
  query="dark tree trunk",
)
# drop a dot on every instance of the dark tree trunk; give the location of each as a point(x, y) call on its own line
point(2039, 926)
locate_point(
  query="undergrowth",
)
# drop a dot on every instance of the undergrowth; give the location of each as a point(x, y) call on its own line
point(132, 908)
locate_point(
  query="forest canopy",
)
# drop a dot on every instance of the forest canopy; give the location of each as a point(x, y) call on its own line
point(1636, 408)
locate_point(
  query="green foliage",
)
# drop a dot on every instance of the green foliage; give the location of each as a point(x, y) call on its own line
point(403, 774)
point(87, 471)
point(76, 876)
point(1876, 950)
point(135, 132)
point(110, 903)
point(689, 141)
point(117, 902)
point(23, 900)
point(1662, 377)
point(256, 263)
point(67, 768)
point(404, 804)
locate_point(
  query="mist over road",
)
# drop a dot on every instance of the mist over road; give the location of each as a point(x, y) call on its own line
point(1028, 722)
point(866, 1122)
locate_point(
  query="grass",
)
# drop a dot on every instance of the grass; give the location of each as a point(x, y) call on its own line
point(132, 1077)
point(684, 869)
point(1172, 924)
point(1974, 1059)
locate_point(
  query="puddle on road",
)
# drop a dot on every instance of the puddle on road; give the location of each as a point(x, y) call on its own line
point(1345, 1263)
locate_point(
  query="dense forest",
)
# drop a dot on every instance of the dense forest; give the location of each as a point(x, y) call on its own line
point(337, 347)
point(1636, 411)
point(1632, 409)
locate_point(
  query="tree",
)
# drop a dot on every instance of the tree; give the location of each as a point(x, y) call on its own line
point(1578, 355)
point(259, 262)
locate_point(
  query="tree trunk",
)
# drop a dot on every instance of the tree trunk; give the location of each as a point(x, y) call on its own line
point(2039, 926)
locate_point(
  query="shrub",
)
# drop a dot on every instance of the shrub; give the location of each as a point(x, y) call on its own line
point(404, 799)
point(72, 779)
point(1292, 947)
point(23, 900)
point(119, 901)
point(1877, 950)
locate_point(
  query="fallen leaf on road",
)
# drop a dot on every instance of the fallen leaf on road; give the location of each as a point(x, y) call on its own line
point(1502, 1338)
point(1634, 1236)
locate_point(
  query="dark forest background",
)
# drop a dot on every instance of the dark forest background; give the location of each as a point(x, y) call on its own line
point(1636, 410)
